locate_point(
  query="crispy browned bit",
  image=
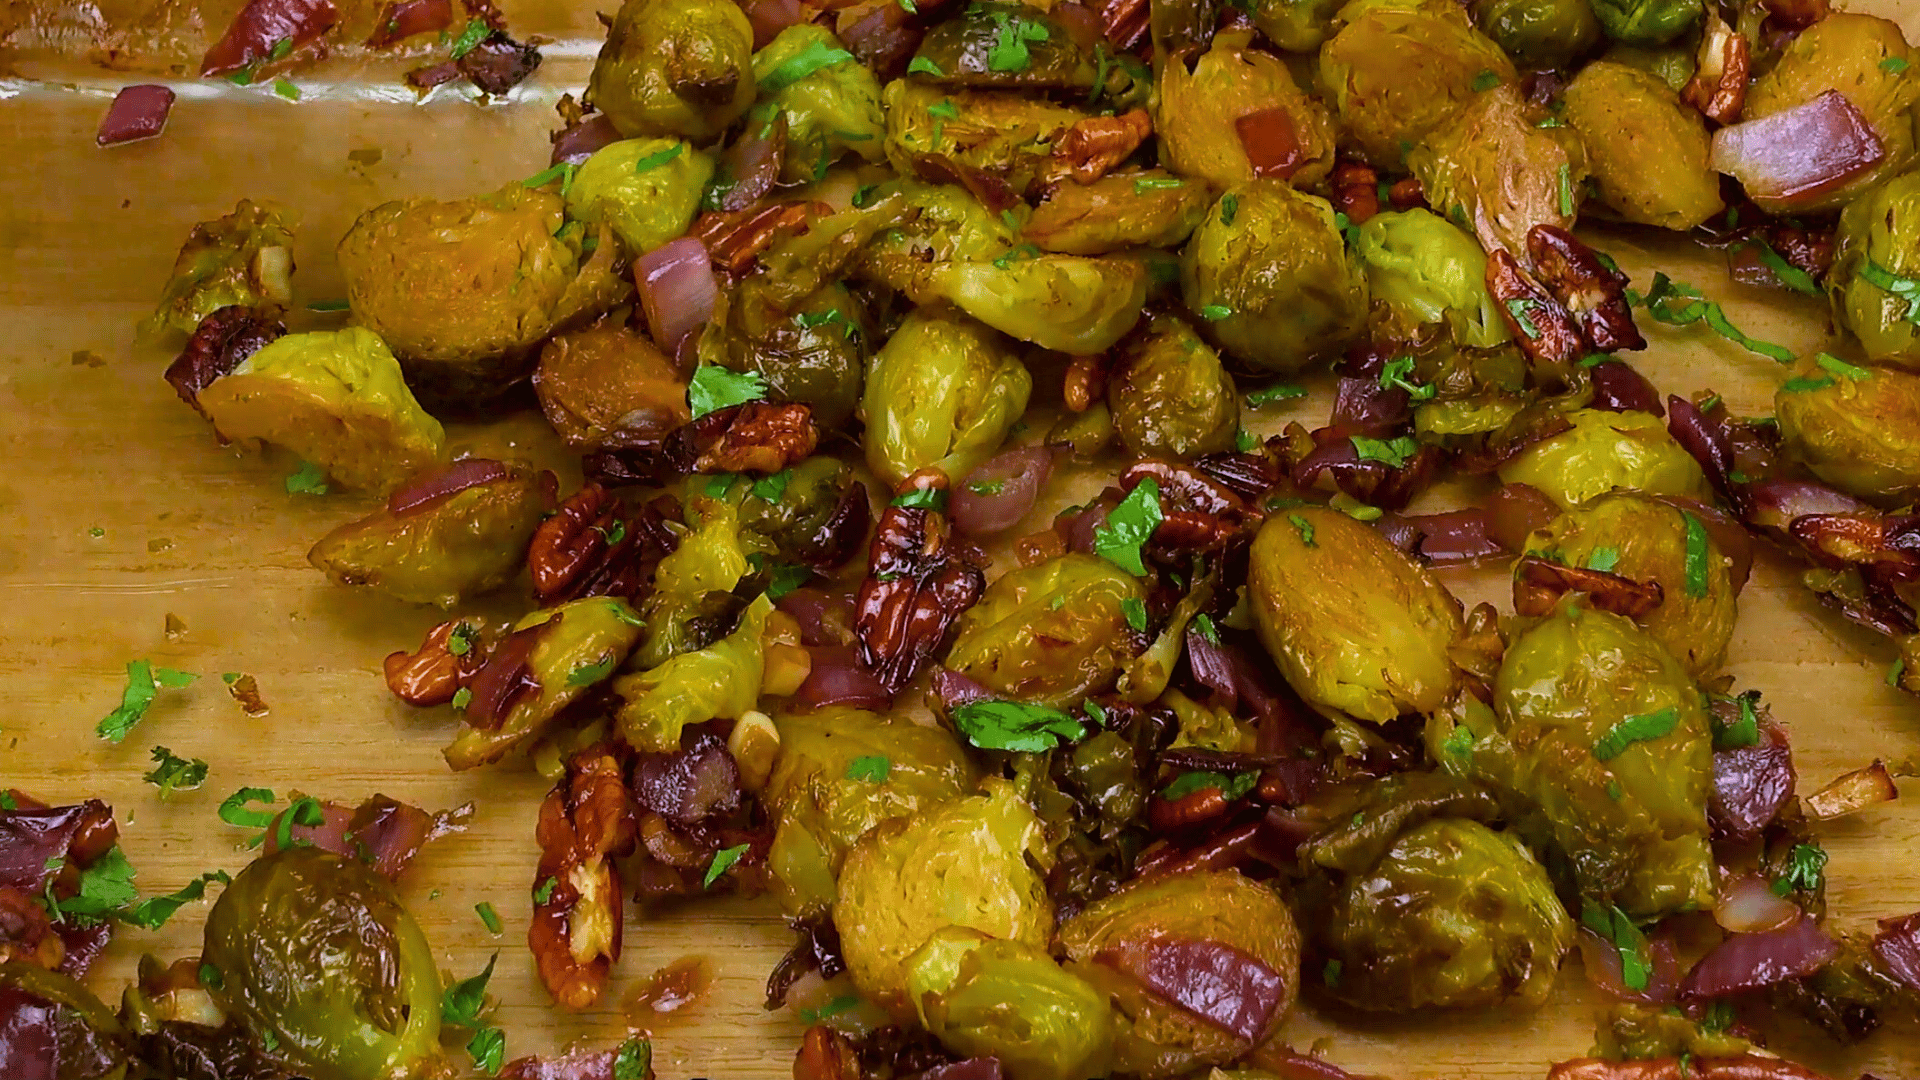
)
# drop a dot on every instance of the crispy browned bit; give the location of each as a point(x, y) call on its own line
point(176, 627)
point(1407, 194)
point(1542, 328)
point(1891, 541)
point(1593, 293)
point(736, 239)
point(1745, 1067)
point(1092, 147)
point(1125, 22)
point(246, 691)
point(763, 438)
point(1086, 381)
point(26, 934)
point(1538, 584)
point(1356, 190)
point(223, 339)
point(594, 545)
point(1719, 85)
point(586, 822)
point(432, 674)
point(825, 1054)
point(1853, 791)
point(919, 580)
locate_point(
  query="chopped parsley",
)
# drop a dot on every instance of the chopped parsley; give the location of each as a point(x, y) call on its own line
point(588, 674)
point(1633, 729)
point(1806, 870)
point(488, 1048)
point(782, 578)
point(1019, 254)
point(282, 48)
point(817, 55)
point(1245, 441)
point(1014, 725)
point(144, 682)
point(1742, 732)
point(1393, 453)
point(832, 1008)
point(106, 887)
point(945, 110)
point(1566, 192)
point(1229, 208)
point(1231, 788)
point(1267, 395)
point(153, 912)
point(633, 1059)
point(1613, 926)
point(308, 479)
point(544, 891)
point(1679, 304)
point(723, 861)
point(1485, 81)
point(658, 158)
point(1458, 743)
point(462, 1003)
point(1203, 622)
point(1135, 610)
point(1893, 65)
point(471, 35)
point(715, 387)
point(923, 66)
point(489, 917)
point(1129, 525)
point(1800, 384)
point(233, 809)
point(772, 488)
point(1396, 374)
point(1304, 528)
point(1216, 312)
point(1841, 368)
point(1603, 559)
point(986, 487)
point(927, 498)
point(1893, 673)
point(460, 641)
point(1518, 308)
point(462, 698)
point(1698, 553)
point(171, 774)
point(1012, 34)
point(1790, 275)
point(814, 320)
point(286, 89)
point(872, 768)
point(1154, 183)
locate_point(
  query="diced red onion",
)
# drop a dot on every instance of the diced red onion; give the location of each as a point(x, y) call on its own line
point(1361, 407)
point(579, 142)
point(1271, 141)
point(955, 689)
point(998, 494)
point(506, 676)
point(824, 618)
point(769, 17)
point(1751, 784)
point(1617, 387)
point(42, 1040)
point(1706, 440)
point(838, 679)
point(81, 945)
point(1853, 792)
point(1515, 511)
point(1774, 504)
point(30, 837)
point(752, 164)
point(1245, 685)
point(455, 478)
point(384, 833)
point(137, 112)
point(406, 18)
point(1455, 538)
point(1897, 947)
point(260, 27)
point(677, 290)
point(1750, 961)
point(1601, 960)
point(1747, 905)
point(426, 78)
point(1794, 157)
point(1230, 989)
point(882, 37)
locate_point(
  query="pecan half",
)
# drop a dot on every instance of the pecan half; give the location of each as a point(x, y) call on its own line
point(594, 546)
point(586, 822)
point(223, 339)
point(1719, 85)
point(735, 240)
point(761, 437)
point(1593, 293)
point(1538, 584)
point(1356, 190)
point(1092, 147)
point(1407, 194)
point(918, 582)
point(1745, 1067)
point(825, 1054)
point(1543, 329)
point(1086, 381)
point(434, 673)
point(1125, 22)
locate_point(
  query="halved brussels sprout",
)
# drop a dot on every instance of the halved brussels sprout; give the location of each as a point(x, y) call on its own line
point(719, 682)
point(832, 110)
point(1540, 33)
point(708, 563)
point(815, 353)
point(1355, 625)
point(931, 130)
point(1195, 115)
point(1424, 271)
point(1608, 451)
point(1857, 431)
point(647, 190)
point(1050, 633)
point(951, 226)
point(1117, 212)
point(244, 258)
point(337, 399)
point(1397, 70)
point(443, 551)
point(1011, 45)
point(315, 953)
point(1490, 169)
point(675, 68)
point(1066, 303)
point(1272, 279)
point(1009, 1001)
point(1672, 64)
point(1170, 396)
point(977, 862)
point(801, 520)
point(607, 387)
point(1878, 243)
point(943, 392)
point(1647, 22)
point(1646, 147)
point(464, 292)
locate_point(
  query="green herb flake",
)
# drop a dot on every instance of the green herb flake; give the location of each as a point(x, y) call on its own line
point(872, 768)
point(153, 912)
point(1566, 192)
point(211, 978)
point(1011, 37)
point(1458, 744)
point(923, 66)
point(715, 387)
point(1154, 183)
point(1615, 791)
point(1393, 453)
point(1229, 208)
point(144, 682)
point(1841, 368)
point(1267, 395)
point(634, 1057)
point(488, 1049)
point(544, 891)
point(1304, 528)
point(927, 498)
point(1679, 304)
point(1699, 551)
point(1397, 373)
point(1550, 122)
point(1790, 275)
point(1129, 525)
point(1893, 65)
point(308, 479)
point(1216, 312)
point(832, 1008)
point(1330, 973)
point(1485, 81)
point(233, 809)
point(658, 158)
point(7, 801)
point(1135, 610)
point(1799, 385)
point(945, 110)
point(1742, 732)
point(1603, 559)
point(1518, 308)
point(172, 774)
point(1806, 870)
point(471, 35)
point(1893, 673)
point(282, 49)
point(1231, 788)
point(461, 1003)
point(986, 487)
point(286, 89)
point(1613, 925)
point(772, 488)
point(1014, 725)
point(723, 861)
point(302, 811)
point(106, 887)
point(1633, 729)
point(460, 642)
point(1203, 623)
point(1718, 1017)
point(588, 674)
point(816, 56)
point(489, 917)
point(783, 578)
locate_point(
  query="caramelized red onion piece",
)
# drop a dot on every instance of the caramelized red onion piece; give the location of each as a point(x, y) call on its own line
point(406, 18)
point(824, 618)
point(752, 163)
point(384, 833)
point(970, 1069)
point(1515, 511)
point(1750, 961)
point(1362, 407)
point(1602, 964)
point(838, 679)
point(505, 677)
point(1751, 784)
point(1747, 905)
point(1707, 441)
point(955, 689)
point(30, 837)
point(1774, 504)
point(261, 26)
point(1234, 991)
point(1796, 156)
point(579, 142)
point(1852, 792)
point(41, 1040)
point(579, 1065)
point(883, 38)
point(1455, 538)
point(691, 784)
point(769, 17)
point(998, 494)
point(455, 478)
point(1617, 387)
point(677, 290)
point(1897, 947)
point(137, 112)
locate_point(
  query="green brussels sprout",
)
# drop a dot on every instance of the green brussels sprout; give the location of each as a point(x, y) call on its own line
point(1608, 451)
point(952, 226)
point(1864, 58)
point(1452, 915)
point(1169, 395)
point(1424, 271)
point(1647, 22)
point(1354, 624)
point(315, 953)
point(1645, 539)
point(1083, 434)
point(1297, 26)
point(1117, 212)
point(582, 643)
point(820, 811)
point(1490, 169)
point(941, 392)
point(1006, 135)
point(1646, 147)
point(1195, 113)
point(978, 862)
point(1879, 237)
point(86, 1041)
point(1856, 430)
point(1156, 1038)
point(719, 682)
point(647, 190)
point(816, 352)
point(445, 550)
point(464, 292)
point(1050, 633)
point(709, 562)
point(1397, 71)
point(1010, 1001)
point(796, 522)
point(1540, 33)
point(244, 258)
point(1599, 743)
point(831, 110)
point(337, 399)
point(1275, 285)
point(995, 43)
point(608, 387)
point(1673, 64)
point(675, 68)
point(1067, 303)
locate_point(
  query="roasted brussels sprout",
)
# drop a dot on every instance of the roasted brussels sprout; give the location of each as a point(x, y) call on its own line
point(1355, 625)
point(799, 518)
point(1010, 1001)
point(1117, 212)
point(446, 548)
point(1876, 246)
point(1864, 58)
point(995, 43)
point(1856, 429)
point(952, 226)
point(1424, 271)
point(1169, 395)
point(1453, 915)
point(1647, 22)
point(1644, 539)
point(1630, 1030)
point(575, 646)
point(1673, 64)
point(1273, 280)
point(675, 68)
point(932, 132)
point(646, 190)
point(244, 258)
point(314, 952)
point(1066, 303)
point(705, 567)
point(337, 399)
point(1600, 744)
point(1540, 33)
point(1646, 147)
point(1399, 69)
point(51, 1022)
point(608, 387)
point(719, 682)
point(1202, 117)
point(1298, 26)
point(1608, 451)
point(463, 292)
point(819, 811)
point(831, 110)
point(1234, 927)
point(977, 862)
point(1050, 633)
point(1490, 169)
point(943, 391)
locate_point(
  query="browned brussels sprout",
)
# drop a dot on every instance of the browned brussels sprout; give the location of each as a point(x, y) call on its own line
point(1272, 279)
point(1401, 68)
point(1066, 303)
point(1233, 101)
point(942, 392)
point(441, 548)
point(1169, 395)
point(832, 110)
point(1489, 168)
point(1876, 251)
point(1540, 33)
point(1009, 1001)
point(798, 515)
point(1355, 625)
point(932, 131)
point(464, 292)
point(608, 387)
point(1646, 147)
point(244, 258)
point(706, 567)
point(1050, 633)
point(1856, 429)
point(1119, 211)
point(675, 68)
point(951, 226)
point(315, 953)
point(1608, 451)
point(1673, 65)
point(1647, 22)
point(1013, 46)
point(54, 1028)
point(1298, 26)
